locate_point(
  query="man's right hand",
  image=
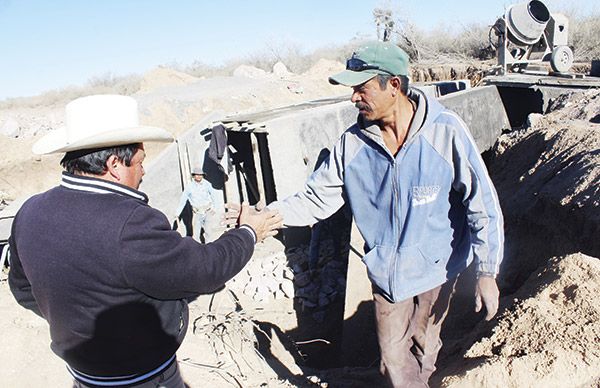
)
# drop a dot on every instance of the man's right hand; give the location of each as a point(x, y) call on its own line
point(265, 223)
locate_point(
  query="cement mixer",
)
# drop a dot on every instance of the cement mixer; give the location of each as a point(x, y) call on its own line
point(529, 33)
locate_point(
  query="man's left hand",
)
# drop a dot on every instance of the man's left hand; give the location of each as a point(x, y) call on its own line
point(486, 293)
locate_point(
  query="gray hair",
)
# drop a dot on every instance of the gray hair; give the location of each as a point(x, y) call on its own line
point(384, 78)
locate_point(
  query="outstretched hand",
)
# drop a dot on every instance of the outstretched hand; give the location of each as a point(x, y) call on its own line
point(265, 222)
point(232, 215)
point(486, 293)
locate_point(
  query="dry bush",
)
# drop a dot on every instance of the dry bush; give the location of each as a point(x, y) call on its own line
point(584, 37)
point(443, 46)
point(104, 84)
point(200, 69)
point(291, 55)
point(294, 58)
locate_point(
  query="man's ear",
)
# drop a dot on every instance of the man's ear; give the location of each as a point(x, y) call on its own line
point(112, 167)
point(395, 83)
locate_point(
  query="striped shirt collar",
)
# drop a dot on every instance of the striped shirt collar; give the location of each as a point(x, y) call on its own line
point(100, 186)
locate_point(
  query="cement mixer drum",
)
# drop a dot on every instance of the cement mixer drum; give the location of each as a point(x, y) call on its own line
point(526, 22)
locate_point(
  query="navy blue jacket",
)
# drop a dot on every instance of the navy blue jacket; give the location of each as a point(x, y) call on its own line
point(110, 276)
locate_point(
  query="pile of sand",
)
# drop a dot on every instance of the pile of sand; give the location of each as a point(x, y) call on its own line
point(162, 77)
point(547, 179)
point(324, 67)
point(548, 337)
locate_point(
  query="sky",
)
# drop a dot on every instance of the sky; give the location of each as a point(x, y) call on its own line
point(46, 45)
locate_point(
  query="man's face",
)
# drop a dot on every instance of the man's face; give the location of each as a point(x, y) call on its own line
point(371, 101)
point(131, 176)
point(197, 177)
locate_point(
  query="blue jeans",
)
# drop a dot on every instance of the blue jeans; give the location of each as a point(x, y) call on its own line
point(199, 221)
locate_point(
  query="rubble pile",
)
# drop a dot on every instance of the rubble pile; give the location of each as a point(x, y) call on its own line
point(320, 287)
point(265, 279)
point(270, 278)
point(24, 122)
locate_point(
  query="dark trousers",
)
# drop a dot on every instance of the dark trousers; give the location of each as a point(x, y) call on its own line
point(170, 378)
point(408, 333)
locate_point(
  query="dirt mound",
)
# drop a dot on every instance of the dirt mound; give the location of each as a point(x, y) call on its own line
point(548, 337)
point(162, 77)
point(547, 179)
point(168, 99)
point(281, 70)
point(324, 68)
point(247, 71)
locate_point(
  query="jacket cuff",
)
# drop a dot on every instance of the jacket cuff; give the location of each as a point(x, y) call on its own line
point(249, 229)
point(481, 274)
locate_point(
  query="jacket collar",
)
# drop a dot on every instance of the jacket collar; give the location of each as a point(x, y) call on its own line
point(422, 116)
point(100, 186)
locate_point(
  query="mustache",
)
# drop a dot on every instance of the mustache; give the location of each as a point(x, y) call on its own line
point(362, 106)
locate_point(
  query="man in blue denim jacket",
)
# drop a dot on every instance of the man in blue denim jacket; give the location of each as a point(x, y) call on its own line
point(422, 199)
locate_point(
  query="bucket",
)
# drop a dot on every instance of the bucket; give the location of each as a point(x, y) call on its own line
point(526, 22)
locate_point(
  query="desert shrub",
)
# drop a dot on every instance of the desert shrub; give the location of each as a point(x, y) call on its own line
point(105, 84)
point(444, 45)
point(291, 55)
point(200, 69)
point(294, 57)
point(584, 37)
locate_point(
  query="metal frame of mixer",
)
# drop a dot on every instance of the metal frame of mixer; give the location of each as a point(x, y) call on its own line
point(518, 55)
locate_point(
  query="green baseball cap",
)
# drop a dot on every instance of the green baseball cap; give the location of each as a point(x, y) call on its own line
point(370, 60)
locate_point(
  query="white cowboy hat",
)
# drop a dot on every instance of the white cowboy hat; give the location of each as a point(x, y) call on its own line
point(99, 121)
point(197, 171)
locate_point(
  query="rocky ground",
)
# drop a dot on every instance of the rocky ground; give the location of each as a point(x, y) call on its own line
point(268, 327)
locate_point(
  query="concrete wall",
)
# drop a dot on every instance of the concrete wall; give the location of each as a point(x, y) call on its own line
point(297, 137)
point(482, 110)
point(295, 141)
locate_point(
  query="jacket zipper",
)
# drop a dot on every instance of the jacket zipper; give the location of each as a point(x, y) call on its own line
point(395, 212)
point(398, 225)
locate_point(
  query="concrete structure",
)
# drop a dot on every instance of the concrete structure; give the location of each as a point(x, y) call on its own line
point(534, 92)
point(296, 135)
point(285, 144)
point(273, 152)
point(170, 172)
point(482, 110)
point(439, 89)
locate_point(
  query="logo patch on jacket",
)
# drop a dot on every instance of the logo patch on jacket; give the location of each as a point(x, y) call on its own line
point(422, 195)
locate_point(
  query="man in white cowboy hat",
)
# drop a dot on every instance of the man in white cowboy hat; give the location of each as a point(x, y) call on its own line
point(422, 199)
point(199, 193)
point(104, 268)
